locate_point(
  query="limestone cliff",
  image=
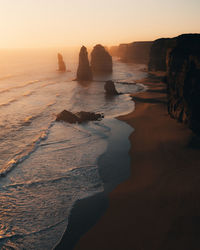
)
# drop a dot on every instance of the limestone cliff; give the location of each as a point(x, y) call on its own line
point(137, 52)
point(183, 78)
point(158, 54)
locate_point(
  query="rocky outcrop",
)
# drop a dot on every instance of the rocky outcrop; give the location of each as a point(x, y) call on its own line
point(84, 72)
point(110, 89)
point(183, 79)
point(101, 60)
point(158, 54)
point(61, 63)
point(79, 117)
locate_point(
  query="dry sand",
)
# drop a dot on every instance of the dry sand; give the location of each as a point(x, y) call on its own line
point(159, 206)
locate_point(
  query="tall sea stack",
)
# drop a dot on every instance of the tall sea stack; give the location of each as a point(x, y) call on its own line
point(84, 72)
point(101, 60)
point(61, 63)
point(183, 76)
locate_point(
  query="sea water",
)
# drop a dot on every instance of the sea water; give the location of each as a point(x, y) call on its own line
point(46, 166)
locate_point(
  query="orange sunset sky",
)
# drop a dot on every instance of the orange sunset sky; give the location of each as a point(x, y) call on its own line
point(50, 23)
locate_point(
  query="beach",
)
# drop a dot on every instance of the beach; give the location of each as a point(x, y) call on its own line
point(158, 206)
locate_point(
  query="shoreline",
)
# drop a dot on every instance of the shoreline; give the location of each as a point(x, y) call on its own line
point(86, 212)
point(158, 206)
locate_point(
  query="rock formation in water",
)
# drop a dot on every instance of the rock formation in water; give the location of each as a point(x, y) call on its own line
point(61, 63)
point(110, 88)
point(183, 78)
point(136, 52)
point(101, 60)
point(79, 117)
point(84, 72)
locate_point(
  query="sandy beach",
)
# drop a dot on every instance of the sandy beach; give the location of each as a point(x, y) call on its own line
point(158, 207)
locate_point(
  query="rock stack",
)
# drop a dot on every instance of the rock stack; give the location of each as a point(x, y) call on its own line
point(61, 63)
point(84, 72)
point(110, 88)
point(79, 117)
point(101, 60)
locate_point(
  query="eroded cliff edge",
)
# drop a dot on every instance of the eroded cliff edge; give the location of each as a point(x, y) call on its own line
point(183, 80)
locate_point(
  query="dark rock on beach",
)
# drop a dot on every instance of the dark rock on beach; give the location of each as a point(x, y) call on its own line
point(61, 63)
point(110, 88)
point(183, 78)
point(101, 60)
point(79, 117)
point(84, 72)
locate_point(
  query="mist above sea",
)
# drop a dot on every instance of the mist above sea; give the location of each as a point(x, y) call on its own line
point(49, 165)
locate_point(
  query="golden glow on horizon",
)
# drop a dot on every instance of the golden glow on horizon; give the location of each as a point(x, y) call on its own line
point(51, 23)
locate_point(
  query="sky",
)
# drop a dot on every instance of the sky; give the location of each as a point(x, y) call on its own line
point(54, 23)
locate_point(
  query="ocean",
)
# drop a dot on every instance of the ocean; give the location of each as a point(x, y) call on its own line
point(46, 166)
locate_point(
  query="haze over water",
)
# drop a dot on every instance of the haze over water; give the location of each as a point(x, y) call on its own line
point(46, 165)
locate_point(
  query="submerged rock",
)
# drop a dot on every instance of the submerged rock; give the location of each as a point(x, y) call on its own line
point(84, 72)
point(110, 88)
point(61, 63)
point(101, 60)
point(67, 116)
point(88, 116)
point(79, 117)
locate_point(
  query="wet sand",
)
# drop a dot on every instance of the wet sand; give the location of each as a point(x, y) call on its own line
point(158, 207)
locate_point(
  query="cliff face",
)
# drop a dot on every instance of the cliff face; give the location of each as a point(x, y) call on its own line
point(61, 63)
point(137, 52)
point(183, 78)
point(101, 60)
point(158, 54)
point(84, 72)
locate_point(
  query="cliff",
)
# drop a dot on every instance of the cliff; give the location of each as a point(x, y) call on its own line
point(136, 52)
point(101, 60)
point(84, 72)
point(183, 79)
point(61, 63)
point(158, 54)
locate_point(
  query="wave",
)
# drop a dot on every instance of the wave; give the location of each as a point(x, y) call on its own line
point(8, 103)
point(29, 119)
point(71, 172)
point(7, 77)
point(25, 154)
point(26, 94)
point(18, 87)
point(33, 232)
